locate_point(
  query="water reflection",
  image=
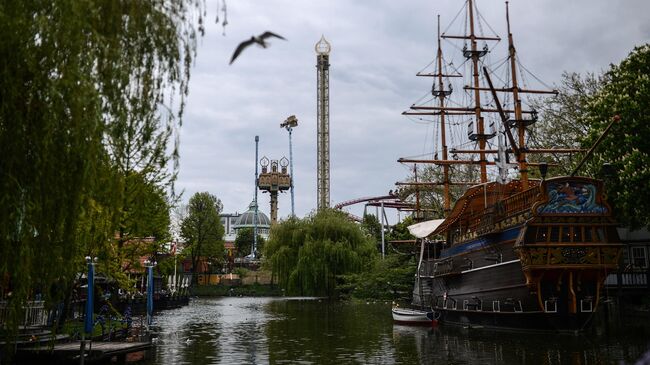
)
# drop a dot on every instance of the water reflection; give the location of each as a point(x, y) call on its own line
point(299, 331)
point(452, 345)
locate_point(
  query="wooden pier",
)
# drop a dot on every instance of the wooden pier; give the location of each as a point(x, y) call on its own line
point(95, 351)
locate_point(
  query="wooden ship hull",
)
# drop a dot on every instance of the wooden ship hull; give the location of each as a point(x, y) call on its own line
point(526, 260)
point(520, 254)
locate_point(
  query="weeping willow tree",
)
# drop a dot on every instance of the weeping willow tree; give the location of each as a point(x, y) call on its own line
point(306, 256)
point(92, 91)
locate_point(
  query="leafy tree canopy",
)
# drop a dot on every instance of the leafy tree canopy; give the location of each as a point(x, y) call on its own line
point(306, 255)
point(400, 230)
point(562, 122)
point(202, 230)
point(390, 278)
point(431, 198)
point(371, 226)
point(626, 93)
point(580, 114)
point(244, 242)
point(91, 91)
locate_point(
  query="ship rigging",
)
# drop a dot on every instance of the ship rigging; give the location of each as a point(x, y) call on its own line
point(515, 252)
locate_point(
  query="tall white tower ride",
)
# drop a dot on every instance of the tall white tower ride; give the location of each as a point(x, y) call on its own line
point(323, 49)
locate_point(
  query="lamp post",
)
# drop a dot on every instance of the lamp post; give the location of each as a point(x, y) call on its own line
point(88, 321)
point(254, 248)
point(289, 124)
point(149, 265)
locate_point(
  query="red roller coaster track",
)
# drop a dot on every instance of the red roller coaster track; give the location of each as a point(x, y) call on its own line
point(390, 201)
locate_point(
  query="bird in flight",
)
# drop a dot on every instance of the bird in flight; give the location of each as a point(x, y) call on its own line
point(260, 40)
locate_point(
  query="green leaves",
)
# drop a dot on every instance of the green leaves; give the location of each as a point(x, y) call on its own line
point(307, 255)
point(562, 121)
point(580, 114)
point(244, 242)
point(627, 147)
point(92, 94)
point(202, 229)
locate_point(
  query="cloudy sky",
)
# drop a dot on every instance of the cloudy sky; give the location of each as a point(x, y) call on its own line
point(377, 48)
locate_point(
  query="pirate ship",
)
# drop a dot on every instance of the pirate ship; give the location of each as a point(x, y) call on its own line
point(516, 252)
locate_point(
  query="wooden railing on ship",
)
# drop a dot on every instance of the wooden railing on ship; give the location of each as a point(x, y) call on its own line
point(520, 202)
point(484, 221)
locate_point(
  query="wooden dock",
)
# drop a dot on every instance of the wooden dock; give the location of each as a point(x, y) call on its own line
point(95, 351)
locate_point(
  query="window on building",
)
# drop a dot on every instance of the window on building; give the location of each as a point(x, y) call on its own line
point(541, 234)
point(639, 257)
point(626, 258)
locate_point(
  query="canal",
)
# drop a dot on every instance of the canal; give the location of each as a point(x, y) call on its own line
point(312, 331)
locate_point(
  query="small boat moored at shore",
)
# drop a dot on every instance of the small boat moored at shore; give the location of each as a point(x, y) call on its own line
point(413, 316)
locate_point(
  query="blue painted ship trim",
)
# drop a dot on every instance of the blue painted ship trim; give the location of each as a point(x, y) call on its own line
point(482, 242)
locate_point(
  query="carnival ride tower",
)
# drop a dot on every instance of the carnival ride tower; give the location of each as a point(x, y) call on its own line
point(323, 49)
point(274, 181)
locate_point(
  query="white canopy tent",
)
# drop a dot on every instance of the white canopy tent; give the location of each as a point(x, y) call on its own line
point(424, 229)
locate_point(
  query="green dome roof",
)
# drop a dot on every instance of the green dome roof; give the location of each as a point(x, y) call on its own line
point(246, 219)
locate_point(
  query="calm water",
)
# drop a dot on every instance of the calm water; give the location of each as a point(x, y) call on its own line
point(300, 331)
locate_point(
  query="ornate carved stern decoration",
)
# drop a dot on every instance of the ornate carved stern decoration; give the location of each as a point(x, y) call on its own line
point(569, 244)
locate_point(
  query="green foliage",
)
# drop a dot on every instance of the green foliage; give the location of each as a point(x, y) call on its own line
point(562, 122)
point(92, 91)
point(202, 229)
point(252, 290)
point(244, 242)
point(627, 147)
point(371, 227)
point(431, 198)
point(306, 255)
point(580, 114)
point(400, 231)
point(146, 215)
point(389, 279)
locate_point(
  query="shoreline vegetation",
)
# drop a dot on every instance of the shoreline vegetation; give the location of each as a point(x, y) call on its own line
point(243, 290)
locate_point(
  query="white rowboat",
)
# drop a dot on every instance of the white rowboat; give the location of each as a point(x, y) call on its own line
point(413, 316)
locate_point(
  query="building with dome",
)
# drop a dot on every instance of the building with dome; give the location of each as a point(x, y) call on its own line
point(247, 220)
point(232, 223)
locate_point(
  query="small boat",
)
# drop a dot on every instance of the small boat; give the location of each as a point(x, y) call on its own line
point(413, 316)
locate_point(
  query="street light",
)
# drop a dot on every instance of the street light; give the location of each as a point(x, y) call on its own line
point(289, 124)
point(149, 265)
point(90, 305)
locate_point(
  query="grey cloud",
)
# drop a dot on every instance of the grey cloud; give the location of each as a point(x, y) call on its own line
point(378, 46)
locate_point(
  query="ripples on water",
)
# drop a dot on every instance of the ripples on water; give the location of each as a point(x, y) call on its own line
point(312, 331)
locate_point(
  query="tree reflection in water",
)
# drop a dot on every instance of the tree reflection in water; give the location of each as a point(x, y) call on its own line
point(313, 331)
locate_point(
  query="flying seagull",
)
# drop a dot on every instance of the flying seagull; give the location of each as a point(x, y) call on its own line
point(260, 39)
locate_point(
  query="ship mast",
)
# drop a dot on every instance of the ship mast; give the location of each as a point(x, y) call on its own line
point(418, 215)
point(441, 98)
point(474, 54)
point(523, 167)
point(477, 128)
point(477, 95)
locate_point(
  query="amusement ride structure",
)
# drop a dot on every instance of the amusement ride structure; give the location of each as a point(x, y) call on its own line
point(323, 49)
point(273, 181)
